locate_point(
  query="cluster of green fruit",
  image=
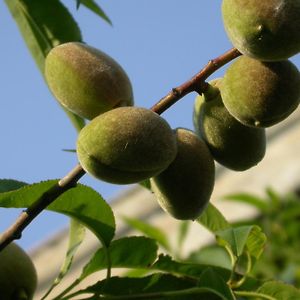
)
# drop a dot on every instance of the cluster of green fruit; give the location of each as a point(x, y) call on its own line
point(259, 89)
point(124, 144)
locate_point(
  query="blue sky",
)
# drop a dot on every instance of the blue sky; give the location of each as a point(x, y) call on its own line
point(160, 44)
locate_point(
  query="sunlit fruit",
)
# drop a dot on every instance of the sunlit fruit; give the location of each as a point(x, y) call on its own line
point(126, 145)
point(261, 94)
point(232, 144)
point(86, 80)
point(18, 278)
point(267, 30)
point(184, 188)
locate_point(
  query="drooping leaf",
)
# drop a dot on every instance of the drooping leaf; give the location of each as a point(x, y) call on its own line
point(76, 236)
point(150, 231)
point(242, 238)
point(279, 290)
point(260, 204)
point(94, 7)
point(211, 280)
point(7, 185)
point(81, 202)
point(44, 25)
point(155, 286)
point(128, 252)
point(213, 219)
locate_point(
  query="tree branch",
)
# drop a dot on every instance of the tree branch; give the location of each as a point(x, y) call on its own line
point(195, 84)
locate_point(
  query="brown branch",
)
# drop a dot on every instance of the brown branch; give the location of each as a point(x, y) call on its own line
point(28, 215)
point(196, 83)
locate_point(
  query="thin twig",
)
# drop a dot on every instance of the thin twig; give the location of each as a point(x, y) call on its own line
point(28, 215)
point(196, 83)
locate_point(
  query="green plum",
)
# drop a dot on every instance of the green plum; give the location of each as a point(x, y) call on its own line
point(185, 187)
point(85, 80)
point(265, 30)
point(261, 94)
point(18, 277)
point(126, 145)
point(232, 144)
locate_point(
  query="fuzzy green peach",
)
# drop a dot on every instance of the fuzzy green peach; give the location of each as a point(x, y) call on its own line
point(232, 144)
point(85, 80)
point(265, 30)
point(260, 94)
point(126, 145)
point(184, 189)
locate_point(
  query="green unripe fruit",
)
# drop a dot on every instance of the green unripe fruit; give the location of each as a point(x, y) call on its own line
point(85, 80)
point(265, 30)
point(184, 188)
point(232, 144)
point(18, 278)
point(126, 145)
point(261, 94)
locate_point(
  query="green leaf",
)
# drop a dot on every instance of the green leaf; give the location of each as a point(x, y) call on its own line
point(155, 286)
point(7, 185)
point(193, 270)
point(249, 199)
point(76, 237)
point(279, 291)
point(146, 184)
point(213, 219)
point(128, 252)
point(149, 230)
point(211, 280)
point(44, 25)
point(242, 238)
point(94, 7)
point(182, 234)
point(81, 202)
point(211, 255)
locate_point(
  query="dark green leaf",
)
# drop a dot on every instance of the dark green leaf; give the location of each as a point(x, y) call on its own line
point(167, 264)
point(94, 7)
point(80, 202)
point(211, 280)
point(150, 231)
point(44, 25)
point(7, 185)
point(155, 286)
point(146, 184)
point(213, 219)
point(129, 252)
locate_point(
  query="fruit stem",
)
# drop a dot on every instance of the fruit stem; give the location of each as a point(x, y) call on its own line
point(196, 83)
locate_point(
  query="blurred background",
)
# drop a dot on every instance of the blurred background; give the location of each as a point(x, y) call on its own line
point(160, 44)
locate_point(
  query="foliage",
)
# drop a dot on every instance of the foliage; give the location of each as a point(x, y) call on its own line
point(240, 265)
